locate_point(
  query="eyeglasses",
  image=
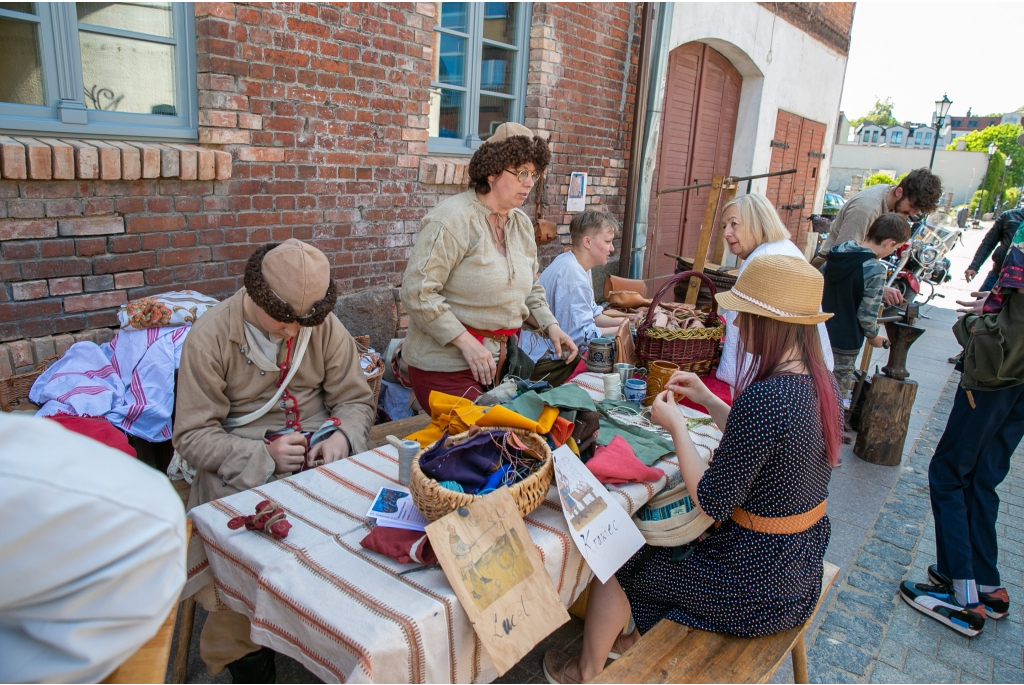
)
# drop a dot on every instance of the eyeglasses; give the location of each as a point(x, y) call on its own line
point(524, 174)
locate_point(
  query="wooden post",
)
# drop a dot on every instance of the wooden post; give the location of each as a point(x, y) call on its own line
point(799, 660)
point(728, 196)
point(884, 420)
point(707, 227)
point(185, 620)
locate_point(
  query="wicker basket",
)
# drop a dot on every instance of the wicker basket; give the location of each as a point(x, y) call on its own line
point(14, 389)
point(694, 349)
point(435, 502)
point(374, 378)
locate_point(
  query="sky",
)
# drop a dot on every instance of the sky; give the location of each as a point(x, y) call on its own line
point(914, 52)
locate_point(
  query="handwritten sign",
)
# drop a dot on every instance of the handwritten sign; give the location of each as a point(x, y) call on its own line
point(602, 530)
point(498, 576)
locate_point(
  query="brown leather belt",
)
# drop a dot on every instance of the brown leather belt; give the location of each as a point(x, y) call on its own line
point(499, 338)
point(781, 525)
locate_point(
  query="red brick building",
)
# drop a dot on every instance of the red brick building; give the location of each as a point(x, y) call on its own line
point(314, 123)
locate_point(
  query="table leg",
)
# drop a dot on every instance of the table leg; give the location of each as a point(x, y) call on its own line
point(799, 661)
point(185, 620)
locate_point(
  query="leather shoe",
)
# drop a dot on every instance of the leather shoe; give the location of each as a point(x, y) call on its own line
point(254, 667)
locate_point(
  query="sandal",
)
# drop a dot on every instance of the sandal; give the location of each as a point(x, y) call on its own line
point(617, 648)
point(556, 662)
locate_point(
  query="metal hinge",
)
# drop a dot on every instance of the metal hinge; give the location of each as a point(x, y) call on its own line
point(780, 143)
point(819, 155)
point(799, 206)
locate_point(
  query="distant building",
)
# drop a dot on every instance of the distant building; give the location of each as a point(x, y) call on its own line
point(961, 125)
point(906, 135)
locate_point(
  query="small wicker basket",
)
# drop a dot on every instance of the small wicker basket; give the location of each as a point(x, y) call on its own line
point(434, 501)
point(14, 389)
point(692, 349)
point(373, 379)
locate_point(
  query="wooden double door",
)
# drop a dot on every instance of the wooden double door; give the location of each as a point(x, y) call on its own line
point(702, 95)
point(797, 144)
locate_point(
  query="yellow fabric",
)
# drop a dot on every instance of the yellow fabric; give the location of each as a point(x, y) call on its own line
point(571, 442)
point(457, 414)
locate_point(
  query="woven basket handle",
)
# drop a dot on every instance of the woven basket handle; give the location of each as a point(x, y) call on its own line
point(712, 315)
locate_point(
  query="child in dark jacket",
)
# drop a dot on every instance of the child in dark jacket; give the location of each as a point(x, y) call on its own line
point(854, 279)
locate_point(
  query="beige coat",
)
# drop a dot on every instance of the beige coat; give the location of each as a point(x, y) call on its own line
point(856, 216)
point(215, 381)
point(456, 278)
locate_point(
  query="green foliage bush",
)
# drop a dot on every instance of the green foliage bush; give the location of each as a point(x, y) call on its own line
point(1005, 138)
point(877, 179)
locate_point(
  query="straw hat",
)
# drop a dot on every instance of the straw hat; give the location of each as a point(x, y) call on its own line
point(778, 287)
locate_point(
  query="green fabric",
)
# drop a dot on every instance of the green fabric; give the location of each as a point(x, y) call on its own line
point(517, 362)
point(993, 353)
point(529, 404)
point(554, 371)
point(568, 396)
point(649, 447)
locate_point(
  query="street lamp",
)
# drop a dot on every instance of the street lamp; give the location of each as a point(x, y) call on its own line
point(941, 109)
point(984, 183)
point(1009, 161)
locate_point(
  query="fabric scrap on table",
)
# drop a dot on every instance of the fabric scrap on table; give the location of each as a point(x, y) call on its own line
point(456, 415)
point(616, 463)
point(129, 381)
point(529, 404)
point(404, 546)
point(97, 428)
point(568, 396)
point(648, 446)
point(561, 431)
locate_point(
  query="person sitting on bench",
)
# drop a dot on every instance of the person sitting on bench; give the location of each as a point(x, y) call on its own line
point(759, 571)
point(269, 383)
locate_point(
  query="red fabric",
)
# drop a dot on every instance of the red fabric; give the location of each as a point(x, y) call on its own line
point(616, 463)
point(720, 389)
point(97, 428)
point(457, 383)
point(561, 431)
point(580, 368)
point(507, 332)
point(401, 545)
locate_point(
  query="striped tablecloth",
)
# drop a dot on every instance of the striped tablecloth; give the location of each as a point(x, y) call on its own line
point(345, 612)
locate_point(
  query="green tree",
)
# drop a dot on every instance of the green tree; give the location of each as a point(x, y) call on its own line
point(878, 179)
point(1005, 138)
point(880, 115)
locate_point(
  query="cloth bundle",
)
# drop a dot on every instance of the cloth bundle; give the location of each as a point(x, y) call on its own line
point(97, 428)
point(480, 461)
point(404, 546)
point(269, 518)
point(616, 463)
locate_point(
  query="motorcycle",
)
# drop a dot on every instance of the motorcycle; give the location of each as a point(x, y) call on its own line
point(921, 260)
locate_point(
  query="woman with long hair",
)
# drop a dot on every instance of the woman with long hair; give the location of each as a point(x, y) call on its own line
point(752, 228)
point(759, 570)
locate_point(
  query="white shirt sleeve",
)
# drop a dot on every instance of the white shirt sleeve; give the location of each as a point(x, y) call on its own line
point(92, 553)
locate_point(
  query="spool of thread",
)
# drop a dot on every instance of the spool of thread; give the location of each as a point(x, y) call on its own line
point(407, 451)
point(612, 386)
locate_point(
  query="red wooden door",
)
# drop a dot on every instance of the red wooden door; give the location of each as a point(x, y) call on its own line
point(697, 130)
point(797, 144)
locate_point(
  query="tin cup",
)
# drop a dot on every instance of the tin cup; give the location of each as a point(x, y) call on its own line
point(600, 355)
point(635, 390)
point(625, 372)
point(657, 378)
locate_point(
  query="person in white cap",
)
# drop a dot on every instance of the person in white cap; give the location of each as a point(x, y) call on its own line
point(269, 384)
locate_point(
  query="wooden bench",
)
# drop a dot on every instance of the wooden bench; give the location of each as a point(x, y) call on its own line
point(673, 653)
point(399, 428)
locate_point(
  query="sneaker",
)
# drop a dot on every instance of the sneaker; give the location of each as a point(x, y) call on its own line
point(938, 602)
point(997, 604)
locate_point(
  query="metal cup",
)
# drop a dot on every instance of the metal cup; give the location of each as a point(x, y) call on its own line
point(625, 371)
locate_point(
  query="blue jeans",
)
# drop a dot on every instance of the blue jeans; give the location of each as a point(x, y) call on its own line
point(971, 459)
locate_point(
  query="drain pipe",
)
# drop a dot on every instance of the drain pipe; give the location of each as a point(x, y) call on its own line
point(650, 97)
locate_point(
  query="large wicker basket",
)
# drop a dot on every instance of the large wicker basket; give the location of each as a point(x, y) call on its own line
point(14, 389)
point(434, 501)
point(374, 378)
point(693, 349)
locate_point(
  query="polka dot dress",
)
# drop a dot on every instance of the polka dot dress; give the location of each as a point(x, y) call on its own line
point(771, 462)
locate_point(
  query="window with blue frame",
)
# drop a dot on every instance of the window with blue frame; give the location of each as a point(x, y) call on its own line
point(896, 138)
point(973, 122)
point(874, 136)
point(917, 138)
point(121, 70)
point(479, 72)
point(957, 122)
point(928, 137)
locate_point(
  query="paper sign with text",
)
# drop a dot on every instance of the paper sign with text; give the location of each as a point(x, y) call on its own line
point(602, 530)
point(498, 576)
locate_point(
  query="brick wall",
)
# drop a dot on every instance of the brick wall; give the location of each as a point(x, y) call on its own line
point(323, 110)
point(829, 22)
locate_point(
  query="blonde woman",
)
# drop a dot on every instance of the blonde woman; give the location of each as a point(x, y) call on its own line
point(753, 229)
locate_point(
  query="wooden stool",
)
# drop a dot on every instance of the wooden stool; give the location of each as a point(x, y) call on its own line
point(673, 653)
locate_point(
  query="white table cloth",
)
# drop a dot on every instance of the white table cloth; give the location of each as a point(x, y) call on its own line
point(345, 612)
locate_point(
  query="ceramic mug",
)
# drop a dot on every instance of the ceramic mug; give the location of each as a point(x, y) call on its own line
point(635, 390)
point(600, 355)
point(657, 379)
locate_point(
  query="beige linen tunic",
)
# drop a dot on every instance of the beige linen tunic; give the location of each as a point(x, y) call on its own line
point(456, 277)
point(215, 382)
point(856, 216)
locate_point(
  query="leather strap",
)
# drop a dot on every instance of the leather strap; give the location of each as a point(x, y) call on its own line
point(781, 525)
point(501, 339)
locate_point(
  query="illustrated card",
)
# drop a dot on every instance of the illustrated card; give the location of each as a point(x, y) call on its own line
point(394, 508)
point(602, 530)
point(498, 576)
point(577, 197)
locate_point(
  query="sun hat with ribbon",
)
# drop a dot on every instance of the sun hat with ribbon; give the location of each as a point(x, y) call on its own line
point(778, 287)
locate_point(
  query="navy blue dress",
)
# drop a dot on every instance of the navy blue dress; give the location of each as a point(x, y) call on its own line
point(772, 462)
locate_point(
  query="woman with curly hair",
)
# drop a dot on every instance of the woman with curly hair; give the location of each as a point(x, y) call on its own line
point(471, 282)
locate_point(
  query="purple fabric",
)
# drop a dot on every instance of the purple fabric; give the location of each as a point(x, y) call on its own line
point(468, 464)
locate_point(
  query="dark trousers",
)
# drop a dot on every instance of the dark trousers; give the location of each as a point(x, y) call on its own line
point(990, 281)
point(971, 459)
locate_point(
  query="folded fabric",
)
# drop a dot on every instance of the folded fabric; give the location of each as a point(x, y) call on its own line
point(456, 415)
point(529, 404)
point(176, 308)
point(97, 428)
point(616, 463)
point(585, 425)
point(568, 396)
point(648, 446)
point(469, 463)
point(561, 431)
point(402, 545)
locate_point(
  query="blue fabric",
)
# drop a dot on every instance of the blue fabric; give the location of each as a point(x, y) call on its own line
point(470, 464)
point(971, 459)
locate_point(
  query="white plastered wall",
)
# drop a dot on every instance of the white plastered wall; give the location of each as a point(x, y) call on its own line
point(804, 77)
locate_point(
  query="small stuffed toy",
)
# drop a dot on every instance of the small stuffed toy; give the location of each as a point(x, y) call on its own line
point(269, 518)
